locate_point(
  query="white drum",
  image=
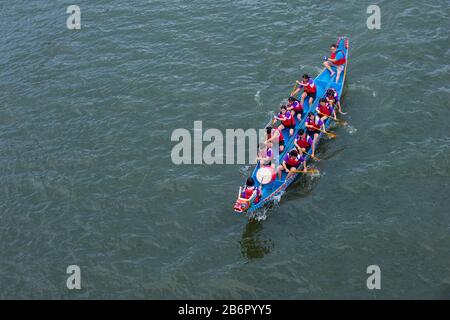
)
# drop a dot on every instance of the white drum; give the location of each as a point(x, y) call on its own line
point(266, 175)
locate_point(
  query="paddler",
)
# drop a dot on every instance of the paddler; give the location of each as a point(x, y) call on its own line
point(325, 111)
point(333, 99)
point(309, 89)
point(287, 120)
point(336, 59)
point(295, 107)
point(313, 126)
point(272, 134)
point(265, 155)
point(291, 162)
point(250, 189)
point(302, 141)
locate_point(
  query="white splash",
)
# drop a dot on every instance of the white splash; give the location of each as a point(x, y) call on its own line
point(351, 129)
point(277, 198)
point(258, 98)
point(316, 175)
point(261, 216)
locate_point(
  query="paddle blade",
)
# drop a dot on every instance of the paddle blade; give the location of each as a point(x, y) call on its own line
point(331, 135)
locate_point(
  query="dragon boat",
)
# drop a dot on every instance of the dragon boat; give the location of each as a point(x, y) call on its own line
point(271, 188)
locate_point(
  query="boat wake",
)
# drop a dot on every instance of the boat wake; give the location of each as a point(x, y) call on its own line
point(263, 213)
point(259, 215)
point(305, 185)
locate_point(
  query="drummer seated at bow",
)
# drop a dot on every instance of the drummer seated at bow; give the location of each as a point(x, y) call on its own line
point(274, 135)
point(290, 164)
point(309, 89)
point(325, 111)
point(313, 126)
point(302, 141)
point(333, 99)
point(287, 120)
point(336, 59)
point(251, 191)
point(265, 155)
point(295, 107)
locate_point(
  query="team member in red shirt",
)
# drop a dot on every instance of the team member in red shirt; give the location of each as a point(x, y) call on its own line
point(309, 89)
point(287, 120)
point(336, 59)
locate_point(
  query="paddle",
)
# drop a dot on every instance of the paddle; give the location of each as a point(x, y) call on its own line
point(295, 87)
point(307, 171)
point(330, 134)
point(314, 157)
point(274, 119)
point(240, 198)
point(337, 120)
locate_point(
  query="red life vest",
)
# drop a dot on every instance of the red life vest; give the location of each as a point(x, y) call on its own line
point(340, 61)
point(303, 143)
point(312, 123)
point(280, 138)
point(308, 88)
point(289, 121)
point(293, 162)
point(297, 107)
point(248, 192)
point(324, 110)
point(331, 100)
